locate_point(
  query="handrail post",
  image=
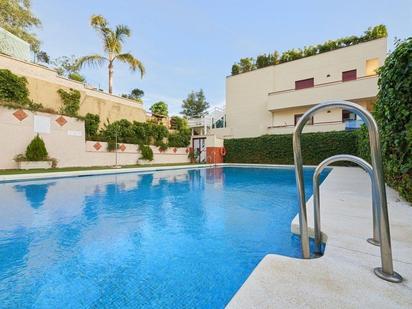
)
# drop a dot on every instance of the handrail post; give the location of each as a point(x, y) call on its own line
point(385, 272)
point(316, 196)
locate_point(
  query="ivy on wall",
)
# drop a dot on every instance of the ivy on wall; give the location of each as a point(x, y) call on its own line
point(13, 88)
point(250, 64)
point(393, 113)
point(71, 102)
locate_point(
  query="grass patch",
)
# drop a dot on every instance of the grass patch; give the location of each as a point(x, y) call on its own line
point(76, 169)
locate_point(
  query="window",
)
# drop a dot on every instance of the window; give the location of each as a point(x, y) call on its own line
point(298, 116)
point(304, 83)
point(348, 75)
point(346, 116)
point(371, 66)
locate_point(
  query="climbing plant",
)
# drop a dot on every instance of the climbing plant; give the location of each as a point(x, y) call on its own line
point(71, 102)
point(393, 113)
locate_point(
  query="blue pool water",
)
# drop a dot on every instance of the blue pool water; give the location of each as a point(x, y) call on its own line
point(170, 239)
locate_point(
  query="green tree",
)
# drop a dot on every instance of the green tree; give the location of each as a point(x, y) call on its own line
point(36, 151)
point(195, 105)
point(67, 66)
point(247, 64)
point(16, 17)
point(43, 57)
point(178, 123)
point(113, 40)
point(136, 95)
point(160, 109)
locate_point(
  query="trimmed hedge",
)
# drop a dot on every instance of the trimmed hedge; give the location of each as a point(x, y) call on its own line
point(278, 149)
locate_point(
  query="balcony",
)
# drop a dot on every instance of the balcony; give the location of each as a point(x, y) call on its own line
point(363, 87)
point(353, 124)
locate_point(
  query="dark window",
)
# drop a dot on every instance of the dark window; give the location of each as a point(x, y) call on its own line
point(297, 117)
point(304, 83)
point(348, 75)
point(346, 115)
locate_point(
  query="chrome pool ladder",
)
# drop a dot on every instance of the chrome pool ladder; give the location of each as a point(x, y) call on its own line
point(375, 170)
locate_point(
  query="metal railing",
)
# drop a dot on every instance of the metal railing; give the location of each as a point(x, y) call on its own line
point(386, 271)
point(316, 197)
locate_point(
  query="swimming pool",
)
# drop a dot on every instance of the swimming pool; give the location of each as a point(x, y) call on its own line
point(185, 238)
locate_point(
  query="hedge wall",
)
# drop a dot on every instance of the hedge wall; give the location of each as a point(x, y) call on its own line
point(277, 149)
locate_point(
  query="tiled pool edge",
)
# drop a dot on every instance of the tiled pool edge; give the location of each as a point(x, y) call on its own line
point(343, 277)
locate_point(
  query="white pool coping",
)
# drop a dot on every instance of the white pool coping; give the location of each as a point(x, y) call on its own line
point(109, 171)
point(343, 277)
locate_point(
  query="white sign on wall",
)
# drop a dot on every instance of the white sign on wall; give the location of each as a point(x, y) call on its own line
point(41, 124)
point(74, 133)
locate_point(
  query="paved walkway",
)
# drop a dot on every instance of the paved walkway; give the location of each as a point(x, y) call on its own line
point(343, 277)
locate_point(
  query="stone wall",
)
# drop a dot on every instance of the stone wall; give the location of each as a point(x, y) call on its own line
point(43, 84)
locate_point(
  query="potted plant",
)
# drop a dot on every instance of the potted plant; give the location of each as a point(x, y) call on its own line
point(36, 156)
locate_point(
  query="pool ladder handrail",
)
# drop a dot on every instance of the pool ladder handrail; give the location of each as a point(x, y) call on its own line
point(386, 271)
point(374, 240)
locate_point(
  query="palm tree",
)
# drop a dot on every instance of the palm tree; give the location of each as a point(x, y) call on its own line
point(113, 45)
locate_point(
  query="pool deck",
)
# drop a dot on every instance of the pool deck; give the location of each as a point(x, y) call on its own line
point(343, 277)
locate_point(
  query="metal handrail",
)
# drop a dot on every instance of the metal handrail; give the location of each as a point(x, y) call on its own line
point(386, 271)
point(316, 197)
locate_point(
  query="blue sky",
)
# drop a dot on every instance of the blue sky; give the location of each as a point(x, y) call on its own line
point(187, 45)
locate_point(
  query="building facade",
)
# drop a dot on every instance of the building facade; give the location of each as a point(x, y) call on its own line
point(271, 100)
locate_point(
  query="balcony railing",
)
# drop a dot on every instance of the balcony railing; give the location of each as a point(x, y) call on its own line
point(362, 87)
point(353, 124)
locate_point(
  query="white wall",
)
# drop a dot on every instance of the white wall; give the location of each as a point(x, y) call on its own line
point(256, 99)
point(67, 143)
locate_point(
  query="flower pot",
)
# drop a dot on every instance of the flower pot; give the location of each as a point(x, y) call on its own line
point(30, 165)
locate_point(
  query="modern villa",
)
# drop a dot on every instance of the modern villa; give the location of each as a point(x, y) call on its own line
point(271, 100)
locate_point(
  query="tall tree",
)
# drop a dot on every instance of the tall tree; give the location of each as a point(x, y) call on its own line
point(159, 109)
point(195, 106)
point(16, 17)
point(113, 40)
point(67, 66)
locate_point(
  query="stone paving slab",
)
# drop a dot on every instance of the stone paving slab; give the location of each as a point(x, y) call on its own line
point(343, 277)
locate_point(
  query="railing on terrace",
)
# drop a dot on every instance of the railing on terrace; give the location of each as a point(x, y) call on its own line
point(353, 124)
point(349, 124)
point(216, 118)
point(336, 82)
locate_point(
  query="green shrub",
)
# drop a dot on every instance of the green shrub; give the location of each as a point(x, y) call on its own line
point(162, 146)
point(147, 152)
point(77, 77)
point(71, 102)
point(277, 149)
point(178, 123)
point(146, 133)
point(249, 64)
point(91, 123)
point(13, 88)
point(393, 113)
point(36, 151)
point(160, 109)
point(180, 138)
